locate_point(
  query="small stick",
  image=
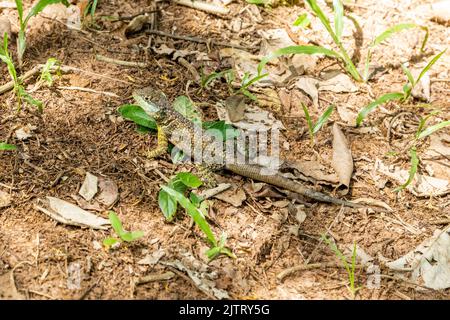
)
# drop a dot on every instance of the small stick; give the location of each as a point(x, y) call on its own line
point(203, 6)
point(155, 277)
point(106, 93)
point(283, 274)
point(119, 18)
point(99, 57)
point(198, 40)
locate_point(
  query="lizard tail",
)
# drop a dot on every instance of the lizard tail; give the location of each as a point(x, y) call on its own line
point(254, 172)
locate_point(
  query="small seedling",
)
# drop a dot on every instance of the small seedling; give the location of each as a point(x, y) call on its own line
point(302, 21)
point(34, 11)
point(314, 128)
point(400, 96)
point(336, 34)
point(18, 89)
point(349, 267)
point(46, 74)
point(7, 147)
point(412, 170)
point(124, 236)
point(207, 80)
point(173, 194)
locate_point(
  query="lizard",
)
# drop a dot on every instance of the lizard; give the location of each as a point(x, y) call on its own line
point(169, 121)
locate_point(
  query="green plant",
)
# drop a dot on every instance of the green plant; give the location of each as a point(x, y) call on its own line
point(412, 170)
point(46, 73)
point(173, 194)
point(38, 7)
point(421, 133)
point(18, 89)
point(302, 21)
point(7, 147)
point(349, 267)
point(207, 79)
point(90, 9)
point(124, 236)
point(336, 34)
point(400, 96)
point(314, 128)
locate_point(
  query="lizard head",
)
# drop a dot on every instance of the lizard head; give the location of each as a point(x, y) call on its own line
point(153, 101)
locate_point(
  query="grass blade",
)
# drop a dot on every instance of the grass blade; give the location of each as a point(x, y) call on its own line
point(297, 50)
point(338, 18)
point(194, 212)
point(323, 118)
point(302, 21)
point(433, 129)
point(323, 18)
point(7, 147)
point(398, 28)
point(412, 170)
point(371, 106)
point(308, 120)
point(408, 74)
point(429, 65)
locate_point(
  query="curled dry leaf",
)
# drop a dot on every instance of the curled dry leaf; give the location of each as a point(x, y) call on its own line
point(422, 89)
point(5, 199)
point(309, 86)
point(67, 213)
point(337, 82)
point(153, 258)
point(89, 187)
point(430, 261)
point(200, 274)
point(421, 186)
point(137, 24)
point(255, 119)
point(235, 106)
point(109, 192)
point(342, 161)
point(234, 196)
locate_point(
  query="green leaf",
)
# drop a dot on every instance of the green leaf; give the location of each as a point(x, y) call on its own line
point(258, 2)
point(429, 65)
point(137, 115)
point(41, 6)
point(178, 185)
point(302, 21)
point(46, 74)
point(323, 118)
point(412, 170)
point(19, 6)
point(323, 18)
point(131, 236)
point(142, 130)
point(194, 212)
point(408, 75)
point(398, 28)
point(221, 129)
point(338, 18)
point(381, 100)
point(297, 50)
point(167, 204)
point(93, 8)
point(207, 80)
point(115, 223)
point(195, 199)
point(185, 106)
point(109, 242)
point(189, 179)
point(7, 147)
point(308, 120)
point(29, 99)
point(431, 129)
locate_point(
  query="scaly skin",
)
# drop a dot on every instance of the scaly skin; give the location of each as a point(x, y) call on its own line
point(169, 121)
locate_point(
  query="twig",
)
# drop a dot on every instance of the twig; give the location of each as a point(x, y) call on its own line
point(119, 18)
point(198, 40)
point(203, 6)
point(43, 294)
point(106, 93)
point(99, 57)
point(283, 274)
point(155, 277)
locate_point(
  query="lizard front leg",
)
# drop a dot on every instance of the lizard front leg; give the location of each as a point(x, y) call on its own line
point(161, 147)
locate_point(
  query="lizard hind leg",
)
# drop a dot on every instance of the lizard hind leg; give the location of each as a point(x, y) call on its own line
point(161, 146)
point(207, 176)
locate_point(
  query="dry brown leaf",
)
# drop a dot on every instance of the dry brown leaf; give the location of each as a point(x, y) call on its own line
point(342, 161)
point(337, 82)
point(89, 187)
point(309, 86)
point(313, 171)
point(5, 199)
point(234, 196)
point(109, 192)
point(8, 290)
